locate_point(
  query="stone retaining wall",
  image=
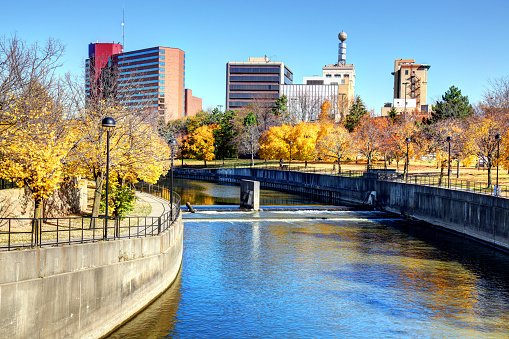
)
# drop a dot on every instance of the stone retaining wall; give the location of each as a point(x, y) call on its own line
point(482, 217)
point(85, 290)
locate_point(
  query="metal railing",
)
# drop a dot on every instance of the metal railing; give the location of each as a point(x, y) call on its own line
point(18, 233)
point(6, 184)
point(379, 173)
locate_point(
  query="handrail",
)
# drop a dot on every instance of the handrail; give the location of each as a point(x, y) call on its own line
point(18, 233)
point(428, 179)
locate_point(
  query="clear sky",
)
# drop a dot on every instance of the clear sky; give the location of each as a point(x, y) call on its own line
point(465, 42)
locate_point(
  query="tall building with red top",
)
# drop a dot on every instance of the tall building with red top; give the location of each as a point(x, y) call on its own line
point(148, 79)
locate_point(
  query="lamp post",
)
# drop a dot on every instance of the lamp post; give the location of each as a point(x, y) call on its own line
point(497, 138)
point(405, 83)
point(108, 124)
point(407, 140)
point(449, 139)
point(173, 144)
point(290, 162)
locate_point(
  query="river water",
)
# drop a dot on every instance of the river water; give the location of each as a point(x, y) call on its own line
point(319, 273)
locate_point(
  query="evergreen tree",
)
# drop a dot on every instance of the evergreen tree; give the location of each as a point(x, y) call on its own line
point(453, 105)
point(225, 134)
point(280, 106)
point(357, 111)
point(393, 113)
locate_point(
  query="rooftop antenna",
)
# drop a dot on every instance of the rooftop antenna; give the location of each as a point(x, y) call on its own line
point(123, 29)
point(342, 48)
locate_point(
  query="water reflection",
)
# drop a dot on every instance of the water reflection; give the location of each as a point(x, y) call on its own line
point(343, 276)
point(207, 193)
point(321, 273)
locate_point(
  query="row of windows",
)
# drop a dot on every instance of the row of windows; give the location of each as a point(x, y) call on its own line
point(337, 75)
point(254, 95)
point(254, 87)
point(141, 76)
point(138, 83)
point(254, 78)
point(140, 95)
point(142, 71)
point(139, 88)
point(154, 57)
point(254, 70)
point(239, 103)
point(289, 74)
point(288, 81)
point(140, 65)
point(138, 53)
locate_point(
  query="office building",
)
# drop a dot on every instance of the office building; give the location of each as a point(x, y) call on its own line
point(147, 79)
point(256, 81)
point(305, 101)
point(340, 75)
point(410, 87)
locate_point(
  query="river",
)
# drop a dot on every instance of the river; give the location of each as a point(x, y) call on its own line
point(320, 272)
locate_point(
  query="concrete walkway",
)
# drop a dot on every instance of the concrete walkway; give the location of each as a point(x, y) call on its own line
point(159, 205)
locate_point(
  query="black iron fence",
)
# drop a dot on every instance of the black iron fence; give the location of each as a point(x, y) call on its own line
point(5, 184)
point(429, 179)
point(17, 233)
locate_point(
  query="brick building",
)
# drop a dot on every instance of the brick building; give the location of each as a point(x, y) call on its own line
point(148, 79)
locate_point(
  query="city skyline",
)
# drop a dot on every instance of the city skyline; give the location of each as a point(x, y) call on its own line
point(460, 40)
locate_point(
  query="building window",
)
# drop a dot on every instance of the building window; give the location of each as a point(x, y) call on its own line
point(337, 75)
point(161, 75)
point(346, 75)
point(406, 72)
point(161, 94)
point(161, 70)
point(161, 63)
point(161, 51)
point(161, 57)
point(161, 82)
point(161, 88)
point(161, 100)
point(328, 75)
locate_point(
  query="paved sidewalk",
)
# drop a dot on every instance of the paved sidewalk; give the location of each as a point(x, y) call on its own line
point(159, 205)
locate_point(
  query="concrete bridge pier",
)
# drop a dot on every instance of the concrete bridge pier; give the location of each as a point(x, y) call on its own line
point(250, 194)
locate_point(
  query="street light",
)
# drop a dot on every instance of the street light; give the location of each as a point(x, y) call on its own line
point(405, 83)
point(497, 138)
point(252, 160)
point(173, 144)
point(449, 139)
point(108, 124)
point(290, 162)
point(407, 160)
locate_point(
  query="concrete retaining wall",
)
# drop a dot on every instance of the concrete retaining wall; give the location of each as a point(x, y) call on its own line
point(482, 217)
point(86, 290)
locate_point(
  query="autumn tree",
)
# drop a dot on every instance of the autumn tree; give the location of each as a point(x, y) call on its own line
point(482, 131)
point(334, 142)
point(325, 111)
point(367, 138)
point(304, 137)
point(200, 144)
point(274, 143)
point(34, 145)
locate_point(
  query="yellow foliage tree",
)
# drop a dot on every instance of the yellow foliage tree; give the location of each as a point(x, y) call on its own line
point(304, 136)
point(200, 144)
point(325, 111)
point(34, 146)
point(275, 143)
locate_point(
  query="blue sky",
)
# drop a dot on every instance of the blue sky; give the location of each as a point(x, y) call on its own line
point(465, 42)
